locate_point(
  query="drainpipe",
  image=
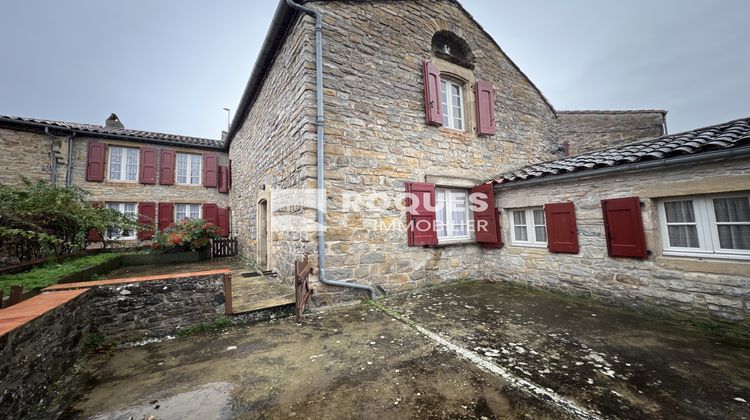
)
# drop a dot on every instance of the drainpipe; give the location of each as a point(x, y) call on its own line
point(69, 169)
point(321, 204)
point(53, 159)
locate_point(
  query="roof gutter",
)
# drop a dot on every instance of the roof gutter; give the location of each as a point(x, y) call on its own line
point(321, 198)
point(726, 154)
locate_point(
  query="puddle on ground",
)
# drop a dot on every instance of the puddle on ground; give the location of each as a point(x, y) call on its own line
point(208, 401)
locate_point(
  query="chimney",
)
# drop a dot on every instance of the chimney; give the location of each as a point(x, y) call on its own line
point(113, 122)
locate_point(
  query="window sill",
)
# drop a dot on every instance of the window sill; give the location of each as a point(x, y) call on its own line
point(705, 265)
point(187, 185)
point(120, 181)
point(455, 242)
point(524, 245)
point(706, 256)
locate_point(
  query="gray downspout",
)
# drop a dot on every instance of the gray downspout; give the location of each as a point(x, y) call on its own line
point(69, 169)
point(321, 200)
point(53, 159)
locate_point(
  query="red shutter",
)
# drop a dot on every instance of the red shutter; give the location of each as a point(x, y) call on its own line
point(166, 175)
point(485, 222)
point(146, 216)
point(95, 162)
point(166, 215)
point(210, 170)
point(421, 219)
point(211, 213)
point(485, 94)
point(499, 243)
point(223, 219)
point(93, 235)
point(562, 233)
point(223, 179)
point(147, 173)
point(623, 226)
point(432, 100)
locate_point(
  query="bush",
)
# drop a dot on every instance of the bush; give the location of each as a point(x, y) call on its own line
point(192, 234)
point(37, 220)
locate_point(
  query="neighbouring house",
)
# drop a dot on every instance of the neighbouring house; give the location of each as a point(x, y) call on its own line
point(417, 98)
point(158, 178)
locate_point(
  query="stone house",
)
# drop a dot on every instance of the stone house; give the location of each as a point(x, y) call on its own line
point(159, 178)
point(431, 157)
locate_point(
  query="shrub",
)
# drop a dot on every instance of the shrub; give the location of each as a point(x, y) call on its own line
point(192, 234)
point(37, 220)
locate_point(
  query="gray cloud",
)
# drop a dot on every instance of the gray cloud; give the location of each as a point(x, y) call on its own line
point(173, 65)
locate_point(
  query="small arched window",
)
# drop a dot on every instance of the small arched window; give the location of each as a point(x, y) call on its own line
point(451, 47)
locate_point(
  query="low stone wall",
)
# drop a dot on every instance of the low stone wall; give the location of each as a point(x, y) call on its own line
point(36, 353)
point(142, 308)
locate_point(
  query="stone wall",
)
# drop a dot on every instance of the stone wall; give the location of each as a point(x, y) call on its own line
point(275, 150)
point(27, 154)
point(142, 308)
point(710, 288)
point(377, 138)
point(584, 131)
point(38, 353)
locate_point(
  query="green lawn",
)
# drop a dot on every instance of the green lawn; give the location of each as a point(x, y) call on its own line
point(49, 273)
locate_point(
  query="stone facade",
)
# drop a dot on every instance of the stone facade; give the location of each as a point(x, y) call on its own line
point(38, 353)
point(711, 288)
point(274, 150)
point(584, 131)
point(28, 153)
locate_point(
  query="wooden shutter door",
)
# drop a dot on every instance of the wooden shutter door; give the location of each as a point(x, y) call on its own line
point(210, 170)
point(432, 101)
point(95, 159)
point(223, 179)
point(166, 174)
point(166, 215)
point(146, 216)
point(485, 222)
point(147, 173)
point(562, 232)
point(211, 213)
point(421, 219)
point(623, 226)
point(485, 103)
point(93, 235)
point(223, 219)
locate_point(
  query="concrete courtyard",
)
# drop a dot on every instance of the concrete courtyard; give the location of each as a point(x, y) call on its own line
point(468, 350)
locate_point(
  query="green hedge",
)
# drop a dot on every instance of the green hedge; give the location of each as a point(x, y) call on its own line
point(49, 273)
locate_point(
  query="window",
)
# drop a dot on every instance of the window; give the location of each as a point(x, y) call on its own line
point(187, 211)
point(717, 226)
point(529, 227)
point(451, 214)
point(128, 209)
point(123, 163)
point(452, 94)
point(188, 169)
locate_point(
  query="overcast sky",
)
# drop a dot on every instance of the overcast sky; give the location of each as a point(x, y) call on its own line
point(172, 65)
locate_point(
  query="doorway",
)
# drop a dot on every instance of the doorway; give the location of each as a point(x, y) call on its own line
point(262, 242)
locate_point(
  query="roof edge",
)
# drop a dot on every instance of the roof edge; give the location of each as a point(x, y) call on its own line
point(614, 111)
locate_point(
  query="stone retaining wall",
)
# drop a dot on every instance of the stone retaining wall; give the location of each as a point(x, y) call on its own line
point(142, 308)
point(36, 354)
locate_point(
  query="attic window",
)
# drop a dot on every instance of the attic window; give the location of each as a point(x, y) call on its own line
point(451, 47)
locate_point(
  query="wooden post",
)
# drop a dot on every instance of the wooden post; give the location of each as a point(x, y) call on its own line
point(15, 295)
point(228, 294)
point(1, 298)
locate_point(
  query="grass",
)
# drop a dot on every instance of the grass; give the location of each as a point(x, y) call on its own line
point(49, 273)
point(216, 325)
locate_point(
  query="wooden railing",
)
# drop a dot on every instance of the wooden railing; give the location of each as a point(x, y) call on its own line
point(224, 247)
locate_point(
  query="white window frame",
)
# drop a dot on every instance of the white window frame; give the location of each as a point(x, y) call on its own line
point(123, 163)
point(188, 207)
point(531, 225)
point(188, 169)
point(705, 222)
point(450, 223)
point(121, 209)
point(447, 107)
